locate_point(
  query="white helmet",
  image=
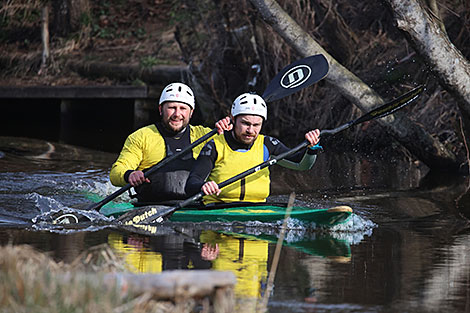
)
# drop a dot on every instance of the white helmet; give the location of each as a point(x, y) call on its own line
point(178, 92)
point(249, 103)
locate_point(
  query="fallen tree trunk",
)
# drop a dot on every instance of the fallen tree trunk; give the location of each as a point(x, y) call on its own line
point(161, 74)
point(433, 44)
point(409, 134)
point(173, 284)
point(182, 287)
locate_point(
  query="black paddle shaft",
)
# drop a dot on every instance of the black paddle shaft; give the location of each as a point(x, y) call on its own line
point(379, 112)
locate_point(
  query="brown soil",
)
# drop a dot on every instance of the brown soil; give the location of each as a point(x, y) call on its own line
point(129, 32)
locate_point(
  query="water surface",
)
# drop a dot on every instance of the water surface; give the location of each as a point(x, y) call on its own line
point(405, 249)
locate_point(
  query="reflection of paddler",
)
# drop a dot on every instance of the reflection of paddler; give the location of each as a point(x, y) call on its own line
point(138, 258)
point(247, 259)
point(154, 254)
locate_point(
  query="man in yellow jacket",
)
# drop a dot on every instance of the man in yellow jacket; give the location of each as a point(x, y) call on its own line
point(241, 149)
point(150, 144)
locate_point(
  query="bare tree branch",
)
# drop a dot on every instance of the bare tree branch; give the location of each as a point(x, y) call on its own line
point(411, 135)
point(444, 59)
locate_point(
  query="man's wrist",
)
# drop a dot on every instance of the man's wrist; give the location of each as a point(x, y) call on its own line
point(126, 175)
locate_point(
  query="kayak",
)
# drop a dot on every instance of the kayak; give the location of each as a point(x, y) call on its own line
point(244, 212)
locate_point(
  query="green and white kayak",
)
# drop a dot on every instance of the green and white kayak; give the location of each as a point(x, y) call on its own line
point(244, 212)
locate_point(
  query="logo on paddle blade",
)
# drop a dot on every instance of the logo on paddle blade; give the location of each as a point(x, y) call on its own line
point(296, 76)
point(66, 219)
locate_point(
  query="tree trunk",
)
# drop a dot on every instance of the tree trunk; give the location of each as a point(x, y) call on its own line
point(45, 38)
point(67, 15)
point(444, 59)
point(411, 135)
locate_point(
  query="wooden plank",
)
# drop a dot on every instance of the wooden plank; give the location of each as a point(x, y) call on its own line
point(74, 92)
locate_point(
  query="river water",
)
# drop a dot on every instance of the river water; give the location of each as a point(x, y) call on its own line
point(405, 249)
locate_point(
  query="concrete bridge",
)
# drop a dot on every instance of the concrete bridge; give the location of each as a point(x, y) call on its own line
point(77, 114)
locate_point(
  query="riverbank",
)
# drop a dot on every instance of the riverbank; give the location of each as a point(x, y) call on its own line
point(99, 281)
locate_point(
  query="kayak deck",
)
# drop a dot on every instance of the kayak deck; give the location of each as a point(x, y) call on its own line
point(263, 214)
point(250, 212)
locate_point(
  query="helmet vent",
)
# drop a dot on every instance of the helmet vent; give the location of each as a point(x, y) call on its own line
point(178, 92)
point(250, 104)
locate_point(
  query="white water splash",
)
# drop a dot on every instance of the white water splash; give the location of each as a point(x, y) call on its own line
point(50, 209)
point(45, 204)
point(102, 189)
point(354, 223)
point(64, 230)
point(353, 230)
point(89, 216)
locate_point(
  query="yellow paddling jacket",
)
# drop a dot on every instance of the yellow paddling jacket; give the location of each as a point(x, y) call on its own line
point(146, 147)
point(254, 187)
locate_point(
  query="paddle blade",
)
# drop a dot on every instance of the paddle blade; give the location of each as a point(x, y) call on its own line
point(392, 106)
point(295, 76)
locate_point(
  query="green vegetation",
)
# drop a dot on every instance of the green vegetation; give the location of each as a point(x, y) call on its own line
point(140, 33)
point(103, 32)
point(148, 61)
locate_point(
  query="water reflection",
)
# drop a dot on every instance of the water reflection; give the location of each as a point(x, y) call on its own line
point(450, 278)
point(416, 259)
point(247, 256)
point(139, 257)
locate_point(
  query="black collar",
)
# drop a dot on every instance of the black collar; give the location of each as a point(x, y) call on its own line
point(235, 144)
point(165, 132)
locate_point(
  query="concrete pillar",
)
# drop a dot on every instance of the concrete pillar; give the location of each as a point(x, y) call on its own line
point(65, 123)
point(145, 111)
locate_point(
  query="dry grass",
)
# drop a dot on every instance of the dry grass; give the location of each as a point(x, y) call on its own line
point(20, 12)
point(33, 282)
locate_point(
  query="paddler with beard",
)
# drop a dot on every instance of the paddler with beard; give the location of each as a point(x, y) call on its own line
point(241, 149)
point(150, 144)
